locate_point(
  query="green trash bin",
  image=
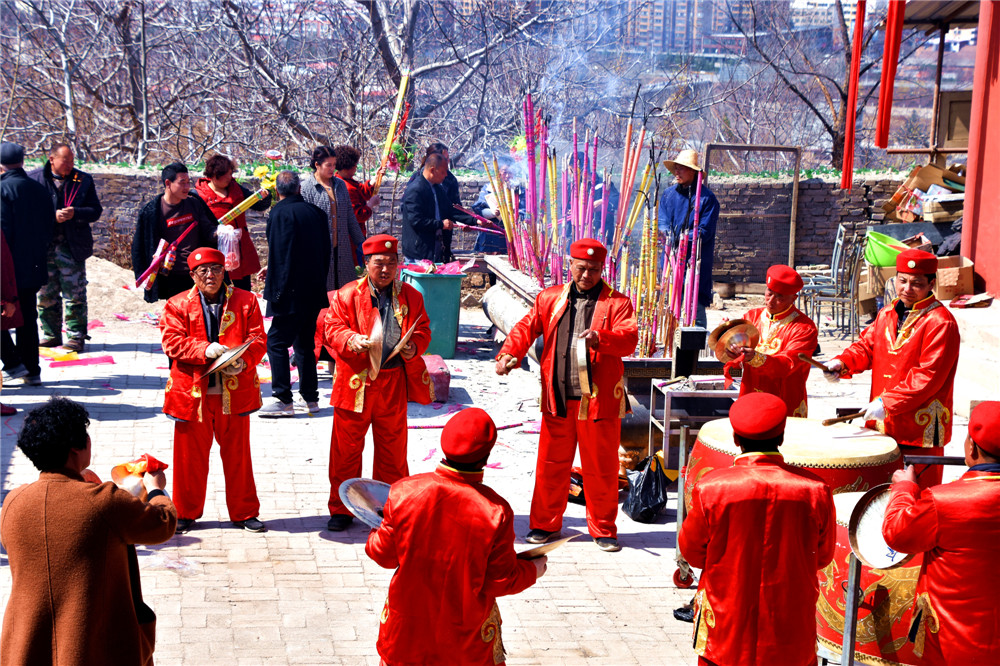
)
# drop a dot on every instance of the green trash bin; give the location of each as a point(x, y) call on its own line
point(442, 300)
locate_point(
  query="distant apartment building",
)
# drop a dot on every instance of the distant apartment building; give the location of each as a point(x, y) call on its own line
point(822, 13)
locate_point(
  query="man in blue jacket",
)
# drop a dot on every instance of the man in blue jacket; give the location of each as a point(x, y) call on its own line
point(28, 220)
point(677, 215)
point(426, 212)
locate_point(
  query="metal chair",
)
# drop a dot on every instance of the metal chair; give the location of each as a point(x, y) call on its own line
point(825, 281)
point(843, 295)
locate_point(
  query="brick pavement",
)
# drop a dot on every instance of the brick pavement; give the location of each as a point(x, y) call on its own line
point(301, 595)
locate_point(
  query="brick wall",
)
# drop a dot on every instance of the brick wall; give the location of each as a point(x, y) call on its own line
point(752, 232)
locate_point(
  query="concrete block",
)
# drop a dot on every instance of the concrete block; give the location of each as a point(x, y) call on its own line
point(440, 376)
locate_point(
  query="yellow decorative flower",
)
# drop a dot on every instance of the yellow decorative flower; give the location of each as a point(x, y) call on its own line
point(261, 171)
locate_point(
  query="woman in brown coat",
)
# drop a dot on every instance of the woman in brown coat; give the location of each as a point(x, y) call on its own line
point(68, 544)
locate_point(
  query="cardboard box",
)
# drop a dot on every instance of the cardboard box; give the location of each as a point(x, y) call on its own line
point(871, 282)
point(954, 278)
point(943, 211)
point(921, 178)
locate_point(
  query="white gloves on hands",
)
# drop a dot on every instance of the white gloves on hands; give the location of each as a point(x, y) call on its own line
point(490, 213)
point(215, 350)
point(236, 368)
point(833, 370)
point(875, 411)
point(374, 202)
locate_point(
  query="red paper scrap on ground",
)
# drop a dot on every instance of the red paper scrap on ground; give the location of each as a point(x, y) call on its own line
point(95, 323)
point(430, 454)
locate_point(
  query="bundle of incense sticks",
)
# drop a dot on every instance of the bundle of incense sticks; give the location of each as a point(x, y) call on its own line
point(391, 135)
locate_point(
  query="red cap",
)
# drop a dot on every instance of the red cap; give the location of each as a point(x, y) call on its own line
point(205, 255)
point(380, 244)
point(917, 262)
point(758, 416)
point(783, 280)
point(588, 249)
point(469, 436)
point(984, 426)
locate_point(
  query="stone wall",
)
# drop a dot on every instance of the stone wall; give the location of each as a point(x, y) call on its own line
point(752, 232)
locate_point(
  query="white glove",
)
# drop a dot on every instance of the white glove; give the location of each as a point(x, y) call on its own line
point(875, 411)
point(236, 368)
point(490, 213)
point(833, 369)
point(215, 350)
point(374, 202)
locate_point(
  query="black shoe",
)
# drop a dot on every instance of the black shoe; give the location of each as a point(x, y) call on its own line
point(184, 525)
point(684, 614)
point(250, 525)
point(539, 536)
point(608, 544)
point(339, 522)
point(50, 342)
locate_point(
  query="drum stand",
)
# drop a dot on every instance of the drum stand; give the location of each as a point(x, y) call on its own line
point(852, 594)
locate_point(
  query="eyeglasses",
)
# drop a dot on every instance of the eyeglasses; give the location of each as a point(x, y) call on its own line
point(204, 271)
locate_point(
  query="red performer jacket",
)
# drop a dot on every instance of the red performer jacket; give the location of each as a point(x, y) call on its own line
point(957, 528)
point(360, 194)
point(185, 340)
point(452, 539)
point(249, 261)
point(761, 530)
point(775, 368)
point(618, 334)
point(913, 371)
point(351, 312)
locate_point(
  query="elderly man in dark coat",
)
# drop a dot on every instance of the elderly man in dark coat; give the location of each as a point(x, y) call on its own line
point(75, 597)
point(426, 212)
point(28, 220)
point(298, 259)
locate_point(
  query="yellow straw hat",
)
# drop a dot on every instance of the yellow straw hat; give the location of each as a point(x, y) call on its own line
point(688, 158)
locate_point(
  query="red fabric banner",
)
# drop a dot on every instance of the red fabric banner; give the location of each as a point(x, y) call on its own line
point(890, 59)
point(847, 175)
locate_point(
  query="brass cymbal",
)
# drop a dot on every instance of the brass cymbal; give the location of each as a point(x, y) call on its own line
point(739, 331)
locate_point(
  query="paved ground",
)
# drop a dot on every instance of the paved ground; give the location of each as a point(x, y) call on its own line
point(301, 595)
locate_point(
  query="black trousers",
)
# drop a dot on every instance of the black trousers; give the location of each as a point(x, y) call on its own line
point(296, 331)
point(25, 350)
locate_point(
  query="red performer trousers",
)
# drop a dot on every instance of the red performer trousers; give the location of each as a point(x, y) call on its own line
point(927, 475)
point(192, 444)
point(385, 411)
point(599, 442)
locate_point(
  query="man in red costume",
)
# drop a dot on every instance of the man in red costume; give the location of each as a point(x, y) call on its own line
point(580, 402)
point(451, 540)
point(760, 530)
point(360, 400)
point(773, 365)
point(912, 350)
point(956, 526)
point(198, 326)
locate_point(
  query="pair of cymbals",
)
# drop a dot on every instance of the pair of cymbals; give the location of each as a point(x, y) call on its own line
point(734, 331)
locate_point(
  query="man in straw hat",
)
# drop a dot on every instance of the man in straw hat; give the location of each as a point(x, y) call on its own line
point(371, 384)
point(912, 351)
point(200, 325)
point(581, 402)
point(773, 365)
point(451, 540)
point(677, 213)
point(957, 528)
point(759, 530)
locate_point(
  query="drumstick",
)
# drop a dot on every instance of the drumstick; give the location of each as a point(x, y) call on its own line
point(842, 419)
point(813, 362)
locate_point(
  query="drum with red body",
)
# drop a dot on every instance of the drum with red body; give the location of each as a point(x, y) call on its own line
point(847, 457)
point(885, 608)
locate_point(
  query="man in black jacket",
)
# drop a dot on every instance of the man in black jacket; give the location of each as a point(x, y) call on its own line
point(28, 220)
point(298, 258)
point(77, 206)
point(166, 217)
point(425, 212)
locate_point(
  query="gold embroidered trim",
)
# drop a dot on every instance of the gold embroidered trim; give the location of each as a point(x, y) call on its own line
point(934, 417)
point(703, 621)
point(490, 633)
point(908, 325)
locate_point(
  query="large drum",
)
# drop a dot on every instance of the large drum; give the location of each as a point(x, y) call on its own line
point(847, 457)
point(884, 611)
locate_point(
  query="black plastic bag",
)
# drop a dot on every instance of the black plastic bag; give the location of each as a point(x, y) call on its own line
point(647, 494)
